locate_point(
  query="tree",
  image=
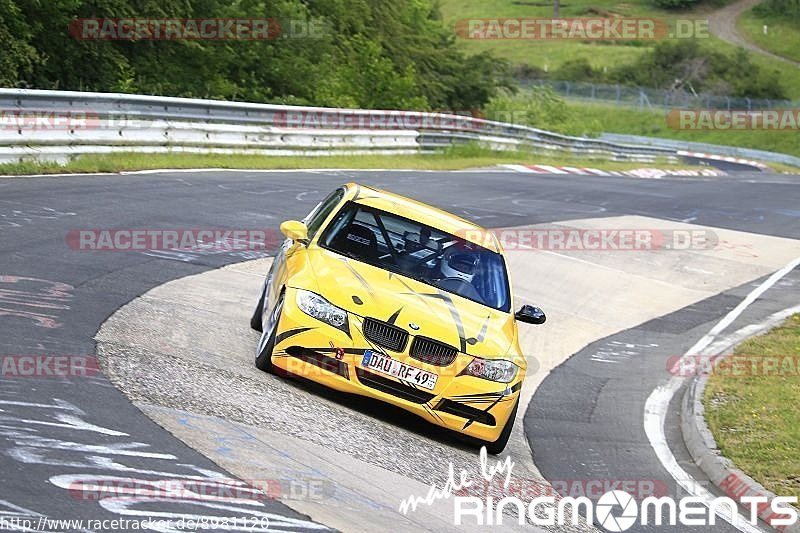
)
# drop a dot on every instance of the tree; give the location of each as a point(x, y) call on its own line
point(19, 57)
point(376, 53)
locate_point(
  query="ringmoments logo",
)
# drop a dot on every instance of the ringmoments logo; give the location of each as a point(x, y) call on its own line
point(618, 510)
point(615, 510)
point(605, 507)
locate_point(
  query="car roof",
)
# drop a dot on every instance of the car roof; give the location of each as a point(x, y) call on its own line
point(424, 213)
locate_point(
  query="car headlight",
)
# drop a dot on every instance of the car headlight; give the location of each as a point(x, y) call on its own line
point(318, 307)
point(492, 369)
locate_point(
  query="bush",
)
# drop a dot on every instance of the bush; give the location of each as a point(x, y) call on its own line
point(525, 71)
point(787, 10)
point(685, 65)
point(577, 70)
point(676, 4)
point(538, 107)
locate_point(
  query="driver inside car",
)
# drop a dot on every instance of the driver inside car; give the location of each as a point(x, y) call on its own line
point(458, 267)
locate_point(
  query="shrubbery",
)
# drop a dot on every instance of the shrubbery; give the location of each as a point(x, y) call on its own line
point(541, 108)
point(376, 53)
point(787, 10)
point(676, 4)
point(577, 70)
point(687, 65)
point(683, 65)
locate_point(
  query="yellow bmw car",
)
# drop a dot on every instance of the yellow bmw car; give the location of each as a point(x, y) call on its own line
point(379, 295)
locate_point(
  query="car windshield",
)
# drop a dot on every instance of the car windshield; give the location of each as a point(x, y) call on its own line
point(428, 255)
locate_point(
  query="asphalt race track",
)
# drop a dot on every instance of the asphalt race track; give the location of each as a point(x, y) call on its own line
point(584, 422)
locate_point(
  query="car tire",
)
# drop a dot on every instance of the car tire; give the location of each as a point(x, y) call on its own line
point(267, 342)
point(499, 445)
point(258, 313)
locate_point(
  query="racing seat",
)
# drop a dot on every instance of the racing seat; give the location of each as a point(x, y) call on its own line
point(358, 240)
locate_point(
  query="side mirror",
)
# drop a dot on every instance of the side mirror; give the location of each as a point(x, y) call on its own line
point(530, 314)
point(295, 230)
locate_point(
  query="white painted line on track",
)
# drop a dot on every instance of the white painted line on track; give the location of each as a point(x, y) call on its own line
point(501, 169)
point(744, 304)
point(752, 329)
point(655, 409)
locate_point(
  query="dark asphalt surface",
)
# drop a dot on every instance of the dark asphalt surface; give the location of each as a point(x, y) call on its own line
point(53, 299)
point(591, 407)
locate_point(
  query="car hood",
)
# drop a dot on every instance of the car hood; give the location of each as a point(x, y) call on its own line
point(471, 327)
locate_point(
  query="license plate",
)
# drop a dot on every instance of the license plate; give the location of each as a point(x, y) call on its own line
point(386, 365)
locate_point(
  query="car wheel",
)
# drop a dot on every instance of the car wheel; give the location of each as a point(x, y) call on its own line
point(258, 313)
point(499, 445)
point(267, 342)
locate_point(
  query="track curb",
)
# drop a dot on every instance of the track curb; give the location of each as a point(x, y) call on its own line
point(644, 172)
point(704, 451)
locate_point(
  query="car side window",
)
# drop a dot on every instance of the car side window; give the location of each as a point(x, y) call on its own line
point(318, 215)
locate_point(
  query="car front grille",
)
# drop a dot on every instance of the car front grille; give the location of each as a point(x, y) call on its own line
point(385, 335)
point(433, 352)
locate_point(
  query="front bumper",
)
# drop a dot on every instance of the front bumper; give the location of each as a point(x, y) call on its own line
point(311, 349)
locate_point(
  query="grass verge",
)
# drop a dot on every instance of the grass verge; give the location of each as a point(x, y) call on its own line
point(590, 119)
point(782, 37)
point(755, 419)
point(456, 158)
point(654, 124)
point(549, 55)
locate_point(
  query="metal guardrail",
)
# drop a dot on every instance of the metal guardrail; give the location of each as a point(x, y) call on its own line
point(731, 151)
point(59, 125)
